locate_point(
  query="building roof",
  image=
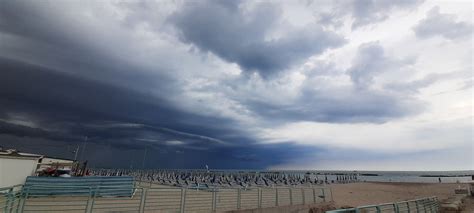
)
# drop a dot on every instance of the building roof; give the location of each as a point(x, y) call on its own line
point(52, 157)
point(12, 153)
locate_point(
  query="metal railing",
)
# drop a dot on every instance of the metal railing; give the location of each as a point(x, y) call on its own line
point(423, 205)
point(156, 199)
point(9, 198)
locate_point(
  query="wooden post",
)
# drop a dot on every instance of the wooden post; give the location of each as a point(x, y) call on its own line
point(183, 200)
point(276, 196)
point(214, 200)
point(142, 200)
point(302, 194)
point(238, 198)
point(291, 196)
point(314, 195)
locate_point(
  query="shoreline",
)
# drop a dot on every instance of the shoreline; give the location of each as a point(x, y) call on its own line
point(401, 183)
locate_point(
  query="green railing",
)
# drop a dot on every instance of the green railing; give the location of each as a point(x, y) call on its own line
point(423, 205)
point(10, 198)
point(155, 198)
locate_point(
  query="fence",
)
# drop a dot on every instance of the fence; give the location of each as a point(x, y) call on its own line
point(423, 205)
point(158, 199)
point(10, 198)
point(80, 185)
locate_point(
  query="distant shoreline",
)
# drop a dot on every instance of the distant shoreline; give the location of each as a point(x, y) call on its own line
point(369, 174)
point(445, 175)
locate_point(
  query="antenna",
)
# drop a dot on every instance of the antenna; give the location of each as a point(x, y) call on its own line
point(144, 157)
point(75, 152)
point(84, 148)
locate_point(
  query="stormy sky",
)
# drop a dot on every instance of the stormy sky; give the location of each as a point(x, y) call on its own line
point(367, 85)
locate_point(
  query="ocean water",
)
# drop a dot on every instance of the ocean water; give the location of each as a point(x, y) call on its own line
point(404, 176)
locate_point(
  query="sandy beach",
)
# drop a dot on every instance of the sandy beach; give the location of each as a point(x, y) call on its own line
point(357, 194)
point(166, 199)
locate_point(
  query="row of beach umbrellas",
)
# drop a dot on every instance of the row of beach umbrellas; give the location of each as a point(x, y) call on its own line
point(206, 178)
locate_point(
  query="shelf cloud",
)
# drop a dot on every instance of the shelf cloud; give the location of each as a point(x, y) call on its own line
point(237, 84)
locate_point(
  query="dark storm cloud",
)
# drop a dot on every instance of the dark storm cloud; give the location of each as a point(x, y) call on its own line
point(54, 92)
point(66, 86)
point(57, 100)
point(444, 25)
point(68, 108)
point(22, 131)
point(73, 45)
point(78, 77)
point(240, 36)
point(124, 155)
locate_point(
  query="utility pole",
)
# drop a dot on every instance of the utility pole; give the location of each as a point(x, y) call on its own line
point(75, 152)
point(144, 157)
point(84, 148)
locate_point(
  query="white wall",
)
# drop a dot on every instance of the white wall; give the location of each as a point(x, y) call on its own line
point(55, 160)
point(15, 170)
point(49, 162)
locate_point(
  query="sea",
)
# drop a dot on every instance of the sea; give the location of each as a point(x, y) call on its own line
point(400, 176)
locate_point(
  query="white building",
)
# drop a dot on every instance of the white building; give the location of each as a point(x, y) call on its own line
point(16, 166)
point(60, 163)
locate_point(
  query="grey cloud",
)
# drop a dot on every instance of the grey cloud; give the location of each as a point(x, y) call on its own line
point(370, 61)
point(371, 11)
point(349, 103)
point(415, 85)
point(444, 25)
point(343, 105)
point(468, 84)
point(240, 36)
point(360, 12)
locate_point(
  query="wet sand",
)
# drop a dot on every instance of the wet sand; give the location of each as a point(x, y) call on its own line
point(357, 194)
